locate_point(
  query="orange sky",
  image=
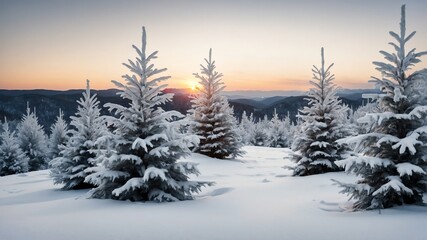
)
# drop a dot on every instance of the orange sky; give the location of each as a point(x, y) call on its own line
point(258, 45)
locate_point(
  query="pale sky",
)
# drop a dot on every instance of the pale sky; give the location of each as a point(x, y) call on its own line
point(257, 45)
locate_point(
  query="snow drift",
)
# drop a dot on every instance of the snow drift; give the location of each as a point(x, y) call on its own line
point(254, 198)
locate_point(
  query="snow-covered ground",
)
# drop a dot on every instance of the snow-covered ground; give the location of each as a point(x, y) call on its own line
point(254, 198)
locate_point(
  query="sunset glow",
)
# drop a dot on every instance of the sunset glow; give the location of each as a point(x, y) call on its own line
point(257, 45)
point(193, 85)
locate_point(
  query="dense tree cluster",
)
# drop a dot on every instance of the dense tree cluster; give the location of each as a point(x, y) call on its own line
point(275, 132)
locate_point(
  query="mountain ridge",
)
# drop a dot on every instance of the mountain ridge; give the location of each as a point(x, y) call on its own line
point(13, 103)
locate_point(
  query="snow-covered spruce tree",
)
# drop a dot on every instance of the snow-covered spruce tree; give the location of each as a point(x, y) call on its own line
point(277, 131)
point(262, 133)
point(323, 124)
point(213, 118)
point(33, 141)
point(58, 135)
point(290, 129)
point(12, 159)
point(79, 153)
point(246, 128)
point(141, 164)
point(392, 161)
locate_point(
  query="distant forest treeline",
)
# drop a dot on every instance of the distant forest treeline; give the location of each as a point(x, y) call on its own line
point(13, 103)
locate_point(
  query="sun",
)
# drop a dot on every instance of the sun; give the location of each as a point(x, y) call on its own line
point(193, 85)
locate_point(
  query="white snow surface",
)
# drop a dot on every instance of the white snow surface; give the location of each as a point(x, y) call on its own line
point(254, 198)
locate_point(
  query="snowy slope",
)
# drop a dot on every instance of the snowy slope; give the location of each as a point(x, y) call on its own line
point(254, 198)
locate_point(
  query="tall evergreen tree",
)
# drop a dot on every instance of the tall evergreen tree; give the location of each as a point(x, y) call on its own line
point(33, 141)
point(322, 125)
point(141, 164)
point(58, 135)
point(79, 153)
point(213, 117)
point(393, 158)
point(12, 159)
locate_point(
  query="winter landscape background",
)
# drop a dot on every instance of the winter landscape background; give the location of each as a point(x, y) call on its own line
point(249, 144)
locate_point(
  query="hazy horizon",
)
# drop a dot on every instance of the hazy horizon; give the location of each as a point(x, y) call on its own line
point(268, 45)
point(176, 88)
